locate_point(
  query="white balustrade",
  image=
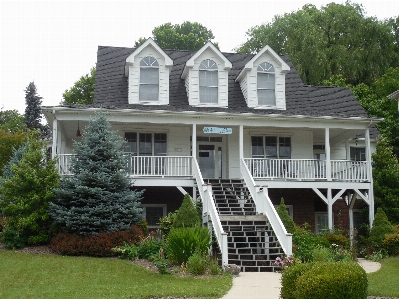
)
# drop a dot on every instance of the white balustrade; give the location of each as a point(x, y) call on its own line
point(306, 169)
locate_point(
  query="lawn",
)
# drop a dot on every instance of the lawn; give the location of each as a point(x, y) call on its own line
point(385, 282)
point(51, 276)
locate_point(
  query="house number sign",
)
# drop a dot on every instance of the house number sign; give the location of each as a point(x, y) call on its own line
point(216, 130)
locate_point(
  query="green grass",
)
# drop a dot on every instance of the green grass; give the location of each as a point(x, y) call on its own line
point(384, 282)
point(51, 276)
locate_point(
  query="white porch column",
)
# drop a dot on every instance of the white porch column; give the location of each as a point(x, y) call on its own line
point(328, 154)
point(194, 141)
point(241, 141)
point(330, 212)
point(370, 177)
point(55, 137)
point(351, 202)
point(348, 150)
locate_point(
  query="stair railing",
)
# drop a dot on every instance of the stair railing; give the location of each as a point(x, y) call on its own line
point(209, 211)
point(266, 207)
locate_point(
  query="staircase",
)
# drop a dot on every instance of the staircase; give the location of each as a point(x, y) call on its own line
point(251, 242)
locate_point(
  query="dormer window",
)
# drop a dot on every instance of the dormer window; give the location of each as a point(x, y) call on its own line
point(149, 79)
point(266, 84)
point(208, 82)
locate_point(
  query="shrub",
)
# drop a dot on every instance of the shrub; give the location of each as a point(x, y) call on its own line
point(322, 254)
point(304, 243)
point(337, 238)
point(391, 242)
point(381, 227)
point(166, 223)
point(127, 251)
point(197, 263)
point(13, 239)
point(187, 215)
point(182, 242)
point(100, 245)
point(289, 278)
point(338, 280)
point(285, 217)
point(149, 248)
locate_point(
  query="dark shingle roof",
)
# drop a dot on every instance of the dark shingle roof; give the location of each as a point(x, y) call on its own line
point(111, 89)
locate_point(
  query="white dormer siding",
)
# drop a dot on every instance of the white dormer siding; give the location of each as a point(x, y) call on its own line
point(132, 70)
point(248, 79)
point(191, 75)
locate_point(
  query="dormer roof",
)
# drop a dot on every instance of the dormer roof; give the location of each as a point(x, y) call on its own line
point(212, 47)
point(148, 43)
point(250, 64)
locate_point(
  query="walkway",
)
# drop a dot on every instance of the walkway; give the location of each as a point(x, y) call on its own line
point(260, 285)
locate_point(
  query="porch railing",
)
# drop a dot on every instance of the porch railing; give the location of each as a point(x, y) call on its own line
point(164, 166)
point(148, 166)
point(307, 169)
point(265, 206)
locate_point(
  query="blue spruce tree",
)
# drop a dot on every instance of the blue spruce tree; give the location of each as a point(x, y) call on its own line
point(98, 197)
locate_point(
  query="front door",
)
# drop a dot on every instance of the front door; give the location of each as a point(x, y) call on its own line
point(210, 160)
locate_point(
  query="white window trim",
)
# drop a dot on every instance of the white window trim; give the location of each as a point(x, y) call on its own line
point(144, 206)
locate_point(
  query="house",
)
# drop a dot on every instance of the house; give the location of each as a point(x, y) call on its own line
point(238, 131)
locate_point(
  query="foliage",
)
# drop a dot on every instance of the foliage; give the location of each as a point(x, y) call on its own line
point(53, 276)
point(33, 111)
point(187, 215)
point(11, 121)
point(197, 263)
point(26, 190)
point(337, 280)
point(335, 253)
point(304, 242)
point(166, 223)
point(337, 238)
point(149, 248)
point(285, 262)
point(8, 143)
point(13, 239)
point(98, 196)
point(185, 36)
point(386, 180)
point(289, 279)
point(330, 41)
point(391, 242)
point(285, 217)
point(182, 242)
point(377, 256)
point(100, 245)
point(381, 227)
point(82, 92)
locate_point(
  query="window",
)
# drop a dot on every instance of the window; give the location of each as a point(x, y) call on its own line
point(148, 144)
point(149, 79)
point(358, 153)
point(271, 147)
point(208, 82)
point(152, 213)
point(321, 223)
point(266, 85)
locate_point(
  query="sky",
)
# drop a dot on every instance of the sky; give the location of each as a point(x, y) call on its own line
point(54, 43)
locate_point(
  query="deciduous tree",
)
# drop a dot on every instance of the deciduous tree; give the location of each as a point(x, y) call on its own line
point(185, 36)
point(82, 92)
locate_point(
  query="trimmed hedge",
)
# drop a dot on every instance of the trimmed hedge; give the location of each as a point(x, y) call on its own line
point(94, 245)
point(325, 280)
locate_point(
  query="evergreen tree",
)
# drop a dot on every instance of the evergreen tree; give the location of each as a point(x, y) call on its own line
point(381, 227)
point(26, 188)
point(285, 217)
point(33, 112)
point(187, 215)
point(98, 196)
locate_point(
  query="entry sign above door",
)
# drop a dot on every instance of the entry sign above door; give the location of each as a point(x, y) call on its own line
point(216, 130)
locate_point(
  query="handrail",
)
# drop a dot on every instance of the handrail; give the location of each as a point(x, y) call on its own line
point(209, 211)
point(307, 169)
point(265, 206)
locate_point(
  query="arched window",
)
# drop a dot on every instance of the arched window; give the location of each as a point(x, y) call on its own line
point(208, 82)
point(149, 79)
point(266, 84)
